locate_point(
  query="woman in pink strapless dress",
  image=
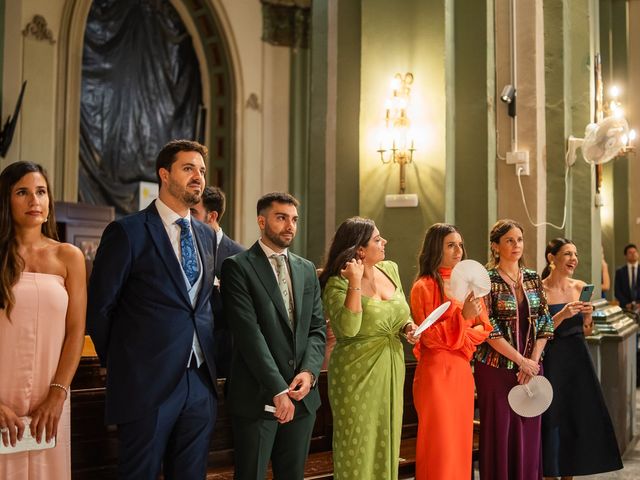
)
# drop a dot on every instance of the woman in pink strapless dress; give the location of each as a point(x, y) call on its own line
point(42, 314)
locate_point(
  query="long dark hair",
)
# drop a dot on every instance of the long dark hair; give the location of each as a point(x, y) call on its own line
point(353, 233)
point(553, 247)
point(11, 263)
point(430, 255)
point(500, 228)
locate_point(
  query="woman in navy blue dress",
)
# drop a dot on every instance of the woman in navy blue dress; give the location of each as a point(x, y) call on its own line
point(577, 434)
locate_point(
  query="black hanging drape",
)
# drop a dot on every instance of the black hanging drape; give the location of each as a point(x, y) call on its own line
point(141, 87)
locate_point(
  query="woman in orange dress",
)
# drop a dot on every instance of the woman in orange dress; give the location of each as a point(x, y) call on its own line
point(42, 315)
point(443, 386)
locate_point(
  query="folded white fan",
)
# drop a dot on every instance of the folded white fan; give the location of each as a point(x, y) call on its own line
point(469, 276)
point(432, 318)
point(531, 399)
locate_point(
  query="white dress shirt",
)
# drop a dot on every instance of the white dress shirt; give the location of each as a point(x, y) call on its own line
point(173, 230)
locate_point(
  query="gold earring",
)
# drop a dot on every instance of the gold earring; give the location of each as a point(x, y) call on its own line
point(552, 266)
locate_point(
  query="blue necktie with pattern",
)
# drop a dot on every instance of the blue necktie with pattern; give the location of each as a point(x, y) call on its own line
point(187, 251)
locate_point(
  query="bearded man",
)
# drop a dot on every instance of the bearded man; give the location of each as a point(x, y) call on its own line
point(272, 302)
point(150, 319)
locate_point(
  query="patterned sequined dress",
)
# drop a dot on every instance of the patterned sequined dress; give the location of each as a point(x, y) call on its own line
point(366, 378)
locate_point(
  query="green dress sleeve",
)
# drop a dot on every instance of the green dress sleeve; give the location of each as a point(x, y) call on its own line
point(344, 322)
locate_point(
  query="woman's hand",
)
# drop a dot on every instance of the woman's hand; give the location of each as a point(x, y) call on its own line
point(523, 378)
point(11, 426)
point(408, 330)
point(45, 417)
point(586, 309)
point(568, 311)
point(353, 271)
point(471, 307)
point(529, 367)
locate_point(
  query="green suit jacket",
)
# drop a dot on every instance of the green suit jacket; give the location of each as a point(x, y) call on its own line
point(267, 353)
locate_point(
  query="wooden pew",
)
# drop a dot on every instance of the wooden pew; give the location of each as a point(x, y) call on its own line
point(94, 445)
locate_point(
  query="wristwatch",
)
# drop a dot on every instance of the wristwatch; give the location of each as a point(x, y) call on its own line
point(313, 377)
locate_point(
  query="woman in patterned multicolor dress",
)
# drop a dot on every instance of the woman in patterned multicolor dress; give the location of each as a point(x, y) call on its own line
point(510, 445)
point(363, 298)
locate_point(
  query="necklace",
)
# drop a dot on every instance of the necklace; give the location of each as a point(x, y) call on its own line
point(515, 283)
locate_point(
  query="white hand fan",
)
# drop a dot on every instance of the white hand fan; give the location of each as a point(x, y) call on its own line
point(431, 319)
point(531, 399)
point(469, 276)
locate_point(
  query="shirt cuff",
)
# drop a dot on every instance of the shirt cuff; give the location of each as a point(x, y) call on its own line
point(281, 393)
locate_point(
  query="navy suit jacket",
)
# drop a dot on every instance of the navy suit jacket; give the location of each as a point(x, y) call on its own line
point(623, 289)
point(139, 314)
point(226, 249)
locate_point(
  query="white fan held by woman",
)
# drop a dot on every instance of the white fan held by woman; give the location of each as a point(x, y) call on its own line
point(431, 319)
point(469, 276)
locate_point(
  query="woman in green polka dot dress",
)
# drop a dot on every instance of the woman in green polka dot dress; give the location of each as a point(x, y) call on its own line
point(368, 312)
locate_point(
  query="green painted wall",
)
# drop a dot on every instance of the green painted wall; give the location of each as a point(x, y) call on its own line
point(348, 88)
point(584, 228)
point(613, 42)
point(568, 70)
point(315, 201)
point(470, 158)
point(299, 140)
point(555, 113)
point(398, 37)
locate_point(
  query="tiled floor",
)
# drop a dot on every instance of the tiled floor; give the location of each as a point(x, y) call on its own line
point(631, 460)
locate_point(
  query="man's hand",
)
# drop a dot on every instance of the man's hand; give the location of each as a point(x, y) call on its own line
point(284, 408)
point(300, 386)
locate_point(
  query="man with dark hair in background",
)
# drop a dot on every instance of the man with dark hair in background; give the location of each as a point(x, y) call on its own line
point(627, 286)
point(210, 210)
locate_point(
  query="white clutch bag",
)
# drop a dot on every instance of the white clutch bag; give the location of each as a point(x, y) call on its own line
point(28, 442)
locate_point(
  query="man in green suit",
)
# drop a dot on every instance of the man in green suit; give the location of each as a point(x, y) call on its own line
point(272, 302)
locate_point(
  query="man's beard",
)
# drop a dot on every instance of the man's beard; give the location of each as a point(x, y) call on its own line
point(277, 240)
point(182, 194)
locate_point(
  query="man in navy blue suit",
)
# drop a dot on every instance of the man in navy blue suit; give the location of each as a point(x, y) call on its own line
point(150, 319)
point(210, 211)
point(627, 284)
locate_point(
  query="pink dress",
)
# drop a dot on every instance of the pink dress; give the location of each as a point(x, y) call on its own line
point(30, 347)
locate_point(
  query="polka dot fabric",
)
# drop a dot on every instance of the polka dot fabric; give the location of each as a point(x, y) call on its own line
point(366, 377)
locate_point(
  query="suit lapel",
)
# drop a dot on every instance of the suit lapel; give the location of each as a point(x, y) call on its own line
point(221, 252)
point(264, 271)
point(161, 240)
point(207, 266)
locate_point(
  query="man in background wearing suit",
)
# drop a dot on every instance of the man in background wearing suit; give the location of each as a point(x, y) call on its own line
point(150, 319)
point(627, 286)
point(210, 210)
point(273, 299)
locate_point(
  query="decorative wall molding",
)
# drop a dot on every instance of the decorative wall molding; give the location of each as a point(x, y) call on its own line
point(286, 22)
point(38, 29)
point(253, 103)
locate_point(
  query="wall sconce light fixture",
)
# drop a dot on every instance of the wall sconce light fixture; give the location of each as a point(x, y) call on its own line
point(396, 142)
